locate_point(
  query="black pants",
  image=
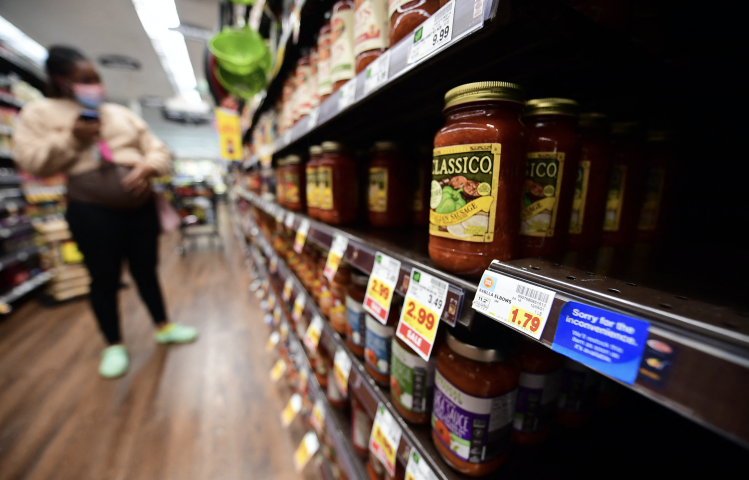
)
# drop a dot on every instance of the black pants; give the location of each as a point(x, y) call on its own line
point(105, 237)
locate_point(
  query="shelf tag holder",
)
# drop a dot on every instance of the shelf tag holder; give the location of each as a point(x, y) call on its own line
point(381, 286)
point(385, 438)
point(421, 313)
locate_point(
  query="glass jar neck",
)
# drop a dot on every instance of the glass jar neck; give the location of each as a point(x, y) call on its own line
point(487, 107)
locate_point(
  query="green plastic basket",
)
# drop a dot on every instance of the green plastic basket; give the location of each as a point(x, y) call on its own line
point(240, 51)
point(243, 86)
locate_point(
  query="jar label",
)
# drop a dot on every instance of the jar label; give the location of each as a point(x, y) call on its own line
point(475, 429)
point(537, 401)
point(324, 83)
point(342, 49)
point(303, 103)
point(577, 391)
point(325, 188)
point(312, 187)
point(615, 198)
point(377, 345)
point(543, 185)
point(291, 187)
point(411, 380)
point(464, 186)
point(651, 204)
point(357, 326)
point(378, 189)
point(578, 200)
point(370, 26)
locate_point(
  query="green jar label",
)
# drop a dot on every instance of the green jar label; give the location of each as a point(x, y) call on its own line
point(411, 380)
point(541, 190)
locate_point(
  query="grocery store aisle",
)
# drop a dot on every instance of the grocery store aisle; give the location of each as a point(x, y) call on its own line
point(200, 411)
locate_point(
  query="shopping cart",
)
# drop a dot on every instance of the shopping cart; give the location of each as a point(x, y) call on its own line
point(195, 201)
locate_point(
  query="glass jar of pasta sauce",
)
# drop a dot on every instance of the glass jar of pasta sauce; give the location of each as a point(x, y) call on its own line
point(661, 157)
point(412, 381)
point(477, 177)
point(390, 187)
point(378, 343)
point(324, 82)
point(304, 97)
point(370, 31)
point(356, 327)
point(342, 43)
point(592, 186)
point(406, 15)
point(337, 186)
point(338, 288)
point(313, 196)
point(294, 186)
point(550, 175)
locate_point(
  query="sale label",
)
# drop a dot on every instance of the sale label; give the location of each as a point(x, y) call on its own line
point(317, 417)
point(292, 408)
point(417, 468)
point(272, 341)
point(381, 287)
point(522, 306)
point(279, 368)
point(312, 335)
point(301, 236)
point(287, 286)
point(385, 438)
point(336, 253)
point(422, 309)
point(341, 370)
point(296, 312)
point(309, 446)
point(289, 220)
point(433, 34)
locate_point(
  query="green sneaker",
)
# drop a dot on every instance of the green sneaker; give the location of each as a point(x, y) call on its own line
point(114, 361)
point(176, 333)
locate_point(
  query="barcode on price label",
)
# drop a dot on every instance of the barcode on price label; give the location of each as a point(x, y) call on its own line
point(522, 306)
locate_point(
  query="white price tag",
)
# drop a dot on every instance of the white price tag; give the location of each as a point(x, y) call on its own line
point(422, 309)
point(298, 309)
point(433, 34)
point(417, 468)
point(306, 450)
point(522, 306)
point(341, 370)
point(312, 335)
point(272, 341)
point(292, 408)
point(385, 438)
point(381, 286)
point(347, 95)
point(335, 255)
point(377, 73)
point(317, 418)
point(287, 286)
point(301, 236)
point(279, 213)
point(289, 220)
point(314, 116)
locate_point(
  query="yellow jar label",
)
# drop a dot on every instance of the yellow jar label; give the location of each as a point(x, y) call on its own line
point(615, 198)
point(378, 189)
point(291, 187)
point(463, 192)
point(580, 195)
point(312, 195)
point(651, 204)
point(325, 187)
point(541, 190)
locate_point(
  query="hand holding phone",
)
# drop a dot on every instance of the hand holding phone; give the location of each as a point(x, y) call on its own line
point(87, 126)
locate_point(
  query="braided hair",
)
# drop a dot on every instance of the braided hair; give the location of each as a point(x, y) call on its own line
point(60, 62)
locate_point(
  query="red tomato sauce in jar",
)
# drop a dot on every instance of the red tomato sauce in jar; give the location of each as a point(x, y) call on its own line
point(336, 183)
point(370, 31)
point(390, 188)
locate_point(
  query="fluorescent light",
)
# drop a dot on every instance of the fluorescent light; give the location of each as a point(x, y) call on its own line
point(21, 43)
point(157, 17)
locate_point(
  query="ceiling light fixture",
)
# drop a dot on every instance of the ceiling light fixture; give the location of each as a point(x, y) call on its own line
point(21, 43)
point(157, 17)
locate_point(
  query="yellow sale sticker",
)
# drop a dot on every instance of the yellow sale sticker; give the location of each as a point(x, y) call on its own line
point(309, 446)
point(292, 408)
point(278, 370)
point(385, 438)
point(336, 253)
point(422, 309)
point(381, 286)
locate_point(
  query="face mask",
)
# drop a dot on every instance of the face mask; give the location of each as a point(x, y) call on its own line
point(89, 95)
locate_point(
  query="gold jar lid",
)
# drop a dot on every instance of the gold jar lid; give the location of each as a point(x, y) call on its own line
point(482, 91)
point(315, 150)
point(551, 106)
point(332, 147)
point(385, 146)
point(593, 119)
point(625, 128)
point(293, 160)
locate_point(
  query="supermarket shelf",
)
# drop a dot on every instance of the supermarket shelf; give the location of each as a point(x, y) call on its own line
point(30, 72)
point(7, 232)
point(20, 256)
point(8, 99)
point(24, 288)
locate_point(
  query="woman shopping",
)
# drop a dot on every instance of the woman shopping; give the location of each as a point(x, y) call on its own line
point(109, 156)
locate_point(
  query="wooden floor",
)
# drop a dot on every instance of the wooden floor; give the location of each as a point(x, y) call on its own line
point(201, 411)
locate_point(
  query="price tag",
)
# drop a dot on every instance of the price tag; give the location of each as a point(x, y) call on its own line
point(433, 34)
point(271, 301)
point(377, 73)
point(292, 408)
point(273, 267)
point(289, 220)
point(306, 450)
point(272, 341)
point(314, 116)
point(336, 253)
point(381, 286)
point(347, 95)
point(287, 286)
point(287, 137)
point(301, 236)
point(422, 309)
point(277, 315)
point(317, 417)
point(417, 468)
point(283, 329)
point(303, 375)
point(341, 370)
point(279, 213)
point(522, 306)
point(385, 438)
point(278, 370)
point(296, 312)
point(312, 335)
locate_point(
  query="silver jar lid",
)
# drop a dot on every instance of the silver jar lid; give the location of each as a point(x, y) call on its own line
point(485, 355)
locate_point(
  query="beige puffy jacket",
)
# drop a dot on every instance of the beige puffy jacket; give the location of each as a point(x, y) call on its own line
point(43, 142)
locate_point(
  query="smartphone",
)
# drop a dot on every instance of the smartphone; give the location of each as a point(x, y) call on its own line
point(89, 115)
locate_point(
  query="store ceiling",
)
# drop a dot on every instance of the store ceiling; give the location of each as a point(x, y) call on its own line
point(111, 27)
